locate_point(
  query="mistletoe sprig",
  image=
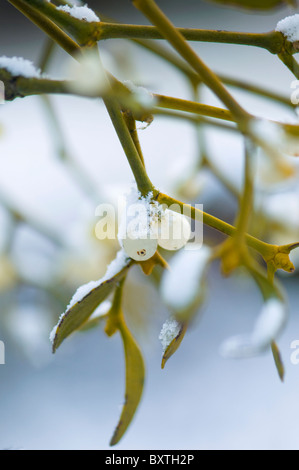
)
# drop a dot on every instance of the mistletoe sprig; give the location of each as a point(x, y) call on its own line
point(78, 30)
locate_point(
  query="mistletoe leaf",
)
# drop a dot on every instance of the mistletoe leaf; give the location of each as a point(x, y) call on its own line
point(278, 361)
point(76, 316)
point(174, 344)
point(135, 372)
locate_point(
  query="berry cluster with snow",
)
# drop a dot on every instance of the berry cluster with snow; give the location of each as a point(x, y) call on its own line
point(146, 224)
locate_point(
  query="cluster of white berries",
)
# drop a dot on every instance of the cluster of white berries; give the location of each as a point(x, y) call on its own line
point(146, 224)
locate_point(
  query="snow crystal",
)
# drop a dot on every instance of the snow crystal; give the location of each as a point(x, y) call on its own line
point(53, 332)
point(138, 216)
point(142, 96)
point(289, 27)
point(81, 13)
point(169, 331)
point(267, 327)
point(114, 268)
point(181, 284)
point(17, 66)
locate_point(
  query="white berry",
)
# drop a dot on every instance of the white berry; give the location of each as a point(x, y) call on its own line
point(140, 249)
point(174, 230)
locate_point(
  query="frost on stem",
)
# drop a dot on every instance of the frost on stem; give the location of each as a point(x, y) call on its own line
point(80, 13)
point(19, 67)
point(266, 329)
point(289, 27)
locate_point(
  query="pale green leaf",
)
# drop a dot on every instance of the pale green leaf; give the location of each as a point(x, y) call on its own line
point(135, 372)
point(278, 360)
point(174, 345)
point(78, 314)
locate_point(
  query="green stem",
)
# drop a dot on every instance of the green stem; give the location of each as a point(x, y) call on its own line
point(142, 180)
point(180, 65)
point(38, 86)
point(246, 203)
point(202, 150)
point(131, 124)
point(114, 111)
point(173, 59)
point(34, 86)
point(268, 288)
point(79, 29)
point(156, 16)
point(195, 119)
point(87, 32)
point(116, 310)
point(290, 62)
point(22, 86)
point(50, 28)
point(272, 41)
point(263, 248)
point(178, 104)
point(257, 90)
point(47, 53)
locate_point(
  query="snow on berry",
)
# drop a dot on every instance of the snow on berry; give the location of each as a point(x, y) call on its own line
point(137, 229)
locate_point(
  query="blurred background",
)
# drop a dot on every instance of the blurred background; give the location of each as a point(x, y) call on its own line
point(54, 173)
